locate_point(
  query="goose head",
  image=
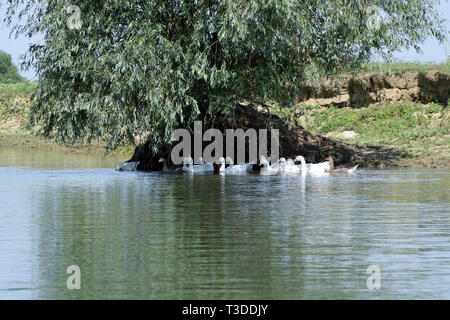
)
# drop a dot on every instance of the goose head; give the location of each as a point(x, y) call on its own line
point(330, 158)
point(263, 162)
point(164, 162)
point(187, 161)
point(262, 159)
point(221, 161)
point(302, 161)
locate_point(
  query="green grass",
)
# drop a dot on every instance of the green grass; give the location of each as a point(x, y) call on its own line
point(405, 66)
point(8, 90)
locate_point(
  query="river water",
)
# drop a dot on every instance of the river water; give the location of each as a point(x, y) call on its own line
point(166, 236)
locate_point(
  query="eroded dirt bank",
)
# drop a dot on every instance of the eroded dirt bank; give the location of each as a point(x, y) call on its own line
point(425, 87)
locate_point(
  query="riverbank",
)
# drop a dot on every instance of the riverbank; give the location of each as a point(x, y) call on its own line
point(15, 132)
point(402, 106)
point(417, 133)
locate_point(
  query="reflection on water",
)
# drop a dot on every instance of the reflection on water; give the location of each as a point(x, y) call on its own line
point(155, 236)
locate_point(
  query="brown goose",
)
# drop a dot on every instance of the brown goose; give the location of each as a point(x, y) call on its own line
point(166, 167)
point(342, 169)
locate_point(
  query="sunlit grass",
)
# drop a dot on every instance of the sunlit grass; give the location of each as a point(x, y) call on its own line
point(381, 67)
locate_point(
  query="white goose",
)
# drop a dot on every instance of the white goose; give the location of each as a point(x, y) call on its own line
point(288, 166)
point(303, 166)
point(232, 169)
point(206, 166)
point(321, 167)
point(221, 161)
point(245, 167)
point(188, 166)
point(268, 169)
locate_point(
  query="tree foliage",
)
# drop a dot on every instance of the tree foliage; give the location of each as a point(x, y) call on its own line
point(8, 71)
point(141, 68)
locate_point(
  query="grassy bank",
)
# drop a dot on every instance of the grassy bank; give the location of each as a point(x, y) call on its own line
point(421, 132)
point(14, 129)
point(382, 67)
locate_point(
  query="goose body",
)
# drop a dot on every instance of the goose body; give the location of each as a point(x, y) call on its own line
point(321, 167)
point(288, 166)
point(268, 169)
point(207, 167)
point(166, 168)
point(313, 168)
point(332, 169)
point(245, 167)
point(188, 166)
point(233, 169)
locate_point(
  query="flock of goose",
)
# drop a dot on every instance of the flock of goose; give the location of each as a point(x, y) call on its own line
point(281, 166)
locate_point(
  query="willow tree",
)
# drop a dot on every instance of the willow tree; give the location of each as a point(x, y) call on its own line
point(116, 70)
